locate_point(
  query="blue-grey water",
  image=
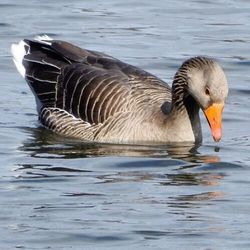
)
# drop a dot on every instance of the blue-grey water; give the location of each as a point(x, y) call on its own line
point(57, 193)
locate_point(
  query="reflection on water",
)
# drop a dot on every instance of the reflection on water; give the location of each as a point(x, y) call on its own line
point(166, 165)
point(179, 162)
point(43, 143)
point(97, 194)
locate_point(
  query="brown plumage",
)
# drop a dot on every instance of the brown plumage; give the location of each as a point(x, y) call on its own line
point(95, 97)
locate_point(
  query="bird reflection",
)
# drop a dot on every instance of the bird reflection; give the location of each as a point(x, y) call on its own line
point(42, 143)
point(168, 166)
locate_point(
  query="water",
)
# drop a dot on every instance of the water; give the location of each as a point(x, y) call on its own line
point(57, 193)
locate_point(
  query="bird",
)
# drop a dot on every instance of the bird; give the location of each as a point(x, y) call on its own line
point(95, 97)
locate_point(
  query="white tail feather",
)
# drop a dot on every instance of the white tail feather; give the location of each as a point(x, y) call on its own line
point(18, 51)
point(44, 39)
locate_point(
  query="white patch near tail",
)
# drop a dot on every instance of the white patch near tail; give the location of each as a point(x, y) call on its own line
point(44, 39)
point(18, 51)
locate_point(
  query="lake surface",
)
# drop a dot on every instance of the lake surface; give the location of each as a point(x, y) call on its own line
point(57, 193)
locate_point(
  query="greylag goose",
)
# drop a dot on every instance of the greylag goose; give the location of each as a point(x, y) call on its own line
point(95, 97)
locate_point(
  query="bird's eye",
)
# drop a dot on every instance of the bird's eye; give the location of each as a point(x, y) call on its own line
point(207, 91)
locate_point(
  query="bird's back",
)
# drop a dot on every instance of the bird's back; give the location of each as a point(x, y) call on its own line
point(88, 94)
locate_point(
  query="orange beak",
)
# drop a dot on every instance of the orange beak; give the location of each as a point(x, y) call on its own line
point(214, 117)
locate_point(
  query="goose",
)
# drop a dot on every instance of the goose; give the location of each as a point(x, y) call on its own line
point(95, 97)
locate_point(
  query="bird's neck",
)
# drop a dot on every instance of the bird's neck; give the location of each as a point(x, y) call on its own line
point(184, 107)
point(179, 90)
